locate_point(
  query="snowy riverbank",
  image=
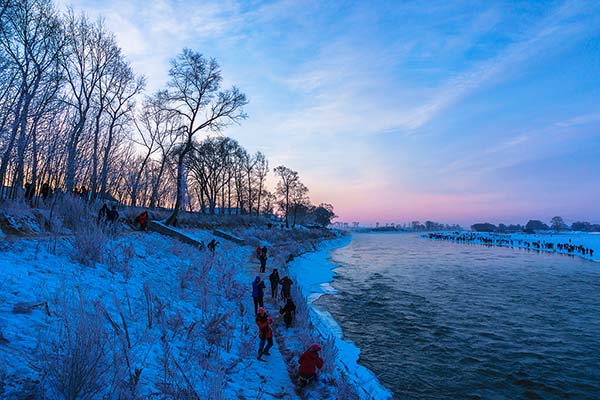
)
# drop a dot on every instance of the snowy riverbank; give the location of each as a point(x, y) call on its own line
point(314, 273)
point(148, 316)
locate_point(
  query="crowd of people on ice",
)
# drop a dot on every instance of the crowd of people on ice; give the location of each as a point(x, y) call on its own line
point(310, 360)
point(541, 245)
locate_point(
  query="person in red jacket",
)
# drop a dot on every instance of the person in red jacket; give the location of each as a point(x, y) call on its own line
point(309, 362)
point(265, 333)
point(142, 219)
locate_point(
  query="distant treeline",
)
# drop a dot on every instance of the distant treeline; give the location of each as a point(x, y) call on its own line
point(557, 224)
point(413, 226)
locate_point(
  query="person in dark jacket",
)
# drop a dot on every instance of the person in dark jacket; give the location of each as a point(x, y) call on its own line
point(113, 214)
point(309, 362)
point(258, 292)
point(46, 191)
point(212, 245)
point(29, 191)
point(265, 333)
point(286, 287)
point(263, 260)
point(142, 219)
point(288, 311)
point(274, 279)
point(103, 214)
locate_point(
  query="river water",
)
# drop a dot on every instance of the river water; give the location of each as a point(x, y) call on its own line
point(440, 320)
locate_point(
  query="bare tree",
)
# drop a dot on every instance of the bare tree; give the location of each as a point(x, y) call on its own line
point(261, 170)
point(210, 166)
point(288, 179)
point(89, 52)
point(248, 166)
point(300, 202)
point(558, 224)
point(119, 111)
point(164, 124)
point(195, 96)
point(30, 40)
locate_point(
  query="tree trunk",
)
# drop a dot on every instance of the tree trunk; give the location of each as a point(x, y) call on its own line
point(70, 172)
point(172, 220)
point(156, 185)
point(22, 145)
point(104, 171)
point(11, 140)
point(95, 156)
point(138, 177)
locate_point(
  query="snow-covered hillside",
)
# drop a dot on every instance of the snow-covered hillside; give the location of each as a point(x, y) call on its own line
point(148, 317)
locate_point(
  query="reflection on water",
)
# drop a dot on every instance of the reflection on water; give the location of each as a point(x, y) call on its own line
point(445, 320)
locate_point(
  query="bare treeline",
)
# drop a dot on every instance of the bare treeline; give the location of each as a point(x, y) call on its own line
point(73, 115)
point(66, 101)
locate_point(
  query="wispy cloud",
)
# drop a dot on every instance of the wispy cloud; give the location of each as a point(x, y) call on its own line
point(535, 144)
point(355, 88)
point(554, 31)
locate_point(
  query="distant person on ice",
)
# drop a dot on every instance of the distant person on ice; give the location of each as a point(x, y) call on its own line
point(286, 287)
point(274, 279)
point(265, 333)
point(258, 292)
point(309, 362)
point(288, 311)
point(142, 219)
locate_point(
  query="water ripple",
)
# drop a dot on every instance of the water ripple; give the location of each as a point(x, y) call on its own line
point(447, 321)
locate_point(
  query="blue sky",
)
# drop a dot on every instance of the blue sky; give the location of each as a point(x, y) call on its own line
point(403, 110)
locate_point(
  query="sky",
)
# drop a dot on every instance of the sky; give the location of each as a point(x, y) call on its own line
point(394, 111)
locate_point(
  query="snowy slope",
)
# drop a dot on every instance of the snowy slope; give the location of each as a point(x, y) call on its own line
point(203, 339)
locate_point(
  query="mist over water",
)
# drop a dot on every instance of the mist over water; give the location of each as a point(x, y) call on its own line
point(443, 320)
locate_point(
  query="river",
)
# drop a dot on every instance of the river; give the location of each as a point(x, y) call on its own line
point(442, 320)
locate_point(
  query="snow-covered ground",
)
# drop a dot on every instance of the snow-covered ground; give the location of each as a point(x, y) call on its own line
point(156, 318)
point(314, 273)
point(43, 290)
point(569, 243)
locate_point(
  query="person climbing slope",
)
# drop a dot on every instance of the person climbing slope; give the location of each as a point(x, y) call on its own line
point(274, 279)
point(142, 219)
point(258, 293)
point(288, 311)
point(309, 362)
point(286, 287)
point(265, 333)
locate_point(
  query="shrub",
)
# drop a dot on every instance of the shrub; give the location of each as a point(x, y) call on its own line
point(118, 258)
point(73, 211)
point(77, 361)
point(90, 244)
